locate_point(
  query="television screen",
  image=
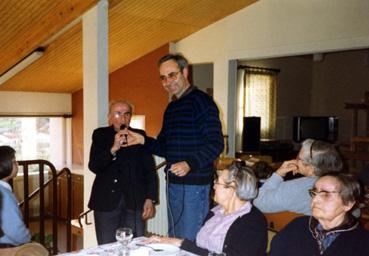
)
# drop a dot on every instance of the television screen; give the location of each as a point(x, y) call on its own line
point(315, 127)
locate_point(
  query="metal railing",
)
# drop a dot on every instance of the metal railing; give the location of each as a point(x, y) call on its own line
point(52, 183)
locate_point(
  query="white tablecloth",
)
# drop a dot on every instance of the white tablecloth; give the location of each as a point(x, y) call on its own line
point(112, 249)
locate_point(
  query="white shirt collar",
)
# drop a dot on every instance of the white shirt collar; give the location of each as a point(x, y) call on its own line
point(5, 185)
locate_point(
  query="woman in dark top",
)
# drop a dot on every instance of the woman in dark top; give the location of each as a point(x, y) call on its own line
point(331, 230)
point(234, 226)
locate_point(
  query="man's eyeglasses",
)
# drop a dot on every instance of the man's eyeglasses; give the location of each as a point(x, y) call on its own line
point(171, 76)
point(118, 114)
point(322, 193)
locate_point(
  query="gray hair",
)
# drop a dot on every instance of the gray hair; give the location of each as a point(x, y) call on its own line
point(349, 186)
point(322, 156)
point(124, 102)
point(178, 58)
point(244, 179)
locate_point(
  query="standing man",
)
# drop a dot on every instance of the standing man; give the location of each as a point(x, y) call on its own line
point(190, 140)
point(125, 186)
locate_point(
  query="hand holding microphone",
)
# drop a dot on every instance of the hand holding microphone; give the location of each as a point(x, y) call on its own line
point(122, 127)
point(120, 139)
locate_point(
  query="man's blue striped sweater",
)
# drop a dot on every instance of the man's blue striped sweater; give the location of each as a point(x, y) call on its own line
point(191, 132)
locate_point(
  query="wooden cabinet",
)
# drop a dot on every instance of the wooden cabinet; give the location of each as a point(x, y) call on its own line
point(76, 196)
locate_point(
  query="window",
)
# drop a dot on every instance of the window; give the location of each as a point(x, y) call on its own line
point(257, 97)
point(36, 138)
point(260, 90)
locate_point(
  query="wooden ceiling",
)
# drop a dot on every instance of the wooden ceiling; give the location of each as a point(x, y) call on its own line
point(136, 27)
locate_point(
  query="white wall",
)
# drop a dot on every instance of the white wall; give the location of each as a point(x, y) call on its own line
point(341, 78)
point(30, 103)
point(273, 28)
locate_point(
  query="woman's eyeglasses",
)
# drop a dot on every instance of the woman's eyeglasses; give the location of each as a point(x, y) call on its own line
point(216, 182)
point(322, 193)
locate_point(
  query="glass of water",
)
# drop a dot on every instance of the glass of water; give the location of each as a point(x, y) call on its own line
point(124, 237)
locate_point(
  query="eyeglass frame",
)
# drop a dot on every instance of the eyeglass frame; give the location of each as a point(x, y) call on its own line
point(311, 149)
point(172, 75)
point(118, 114)
point(216, 182)
point(322, 193)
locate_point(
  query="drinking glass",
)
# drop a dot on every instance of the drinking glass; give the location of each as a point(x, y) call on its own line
point(124, 237)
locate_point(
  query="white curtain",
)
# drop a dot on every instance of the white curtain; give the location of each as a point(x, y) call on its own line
point(259, 95)
point(256, 96)
point(240, 110)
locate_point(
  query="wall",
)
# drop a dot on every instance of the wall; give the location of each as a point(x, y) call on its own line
point(20, 103)
point(275, 28)
point(202, 76)
point(341, 77)
point(137, 82)
point(77, 127)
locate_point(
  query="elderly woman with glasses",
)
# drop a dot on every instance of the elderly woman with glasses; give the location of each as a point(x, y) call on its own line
point(331, 230)
point(234, 226)
point(314, 159)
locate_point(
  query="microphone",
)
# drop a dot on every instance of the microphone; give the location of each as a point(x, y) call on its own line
point(122, 127)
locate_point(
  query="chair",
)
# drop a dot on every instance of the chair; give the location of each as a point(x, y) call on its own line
point(277, 221)
point(77, 227)
point(359, 152)
point(29, 249)
point(223, 162)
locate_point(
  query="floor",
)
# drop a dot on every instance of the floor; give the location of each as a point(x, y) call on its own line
point(77, 241)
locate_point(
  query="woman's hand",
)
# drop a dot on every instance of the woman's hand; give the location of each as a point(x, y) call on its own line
point(164, 240)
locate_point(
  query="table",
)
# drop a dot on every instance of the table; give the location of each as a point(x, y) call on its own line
point(112, 250)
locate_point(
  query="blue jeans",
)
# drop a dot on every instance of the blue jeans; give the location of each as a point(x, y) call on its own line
point(106, 223)
point(188, 207)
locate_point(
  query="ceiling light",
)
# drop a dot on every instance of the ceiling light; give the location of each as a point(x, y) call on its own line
point(28, 60)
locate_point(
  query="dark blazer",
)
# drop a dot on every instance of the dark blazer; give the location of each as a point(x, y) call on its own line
point(131, 174)
point(247, 236)
point(296, 239)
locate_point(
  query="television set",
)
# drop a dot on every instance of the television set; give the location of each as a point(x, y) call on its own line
point(315, 127)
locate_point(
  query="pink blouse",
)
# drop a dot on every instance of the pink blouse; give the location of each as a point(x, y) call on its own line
point(212, 235)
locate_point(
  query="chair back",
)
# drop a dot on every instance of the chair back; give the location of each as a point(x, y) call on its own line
point(277, 221)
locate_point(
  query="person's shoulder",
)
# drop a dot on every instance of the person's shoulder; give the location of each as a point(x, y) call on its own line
point(255, 216)
point(362, 233)
point(105, 129)
point(142, 132)
point(302, 221)
point(300, 182)
point(198, 94)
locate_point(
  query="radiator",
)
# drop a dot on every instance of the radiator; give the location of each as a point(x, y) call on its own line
point(159, 224)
